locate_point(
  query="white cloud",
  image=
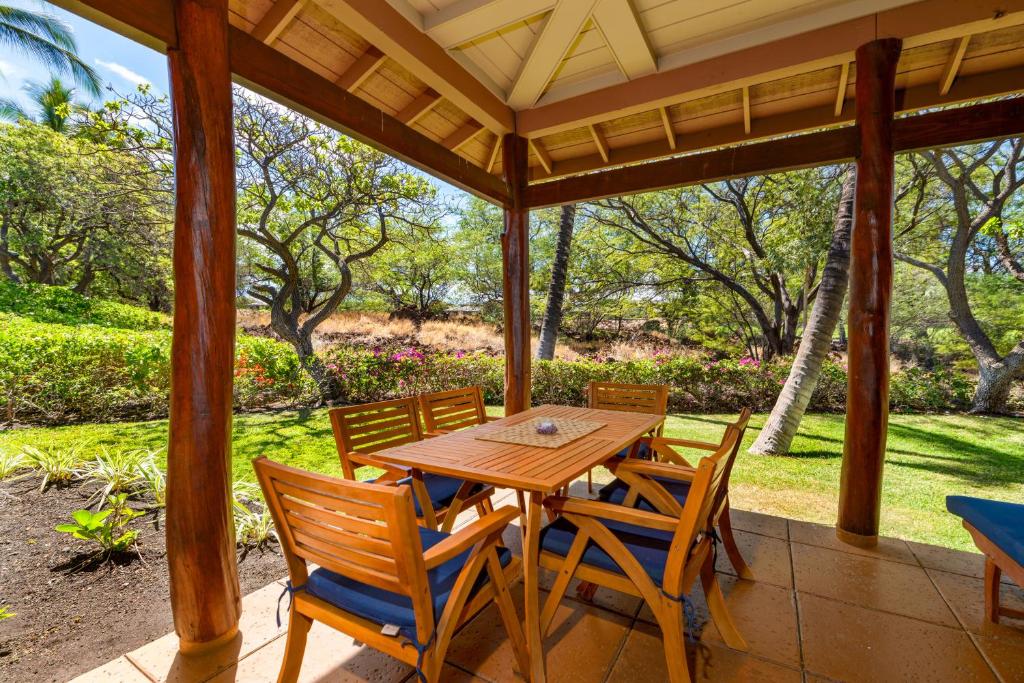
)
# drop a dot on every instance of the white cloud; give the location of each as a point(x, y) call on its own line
point(11, 71)
point(124, 72)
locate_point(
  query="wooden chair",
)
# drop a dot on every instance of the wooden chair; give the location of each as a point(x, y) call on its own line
point(648, 554)
point(448, 411)
point(997, 528)
point(650, 399)
point(398, 587)
point(637, 486)
point(362, 430)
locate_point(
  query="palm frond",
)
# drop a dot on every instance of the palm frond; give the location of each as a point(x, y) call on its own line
point(10, 110)
point(48, 40)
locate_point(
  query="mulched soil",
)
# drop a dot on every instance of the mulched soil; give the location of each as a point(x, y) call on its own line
point(72, 614)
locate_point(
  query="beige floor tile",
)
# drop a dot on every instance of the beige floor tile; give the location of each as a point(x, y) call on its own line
point(949, 560)
point(759, 523)
point(825, 537)
point(643, 660)
point(966, 597)
point(1005, 654)
point(330, 657)
point(161, 662)
point(874, 583)
point(851, 643)
point(118, 671)
point(767, 556)
point(581, 645)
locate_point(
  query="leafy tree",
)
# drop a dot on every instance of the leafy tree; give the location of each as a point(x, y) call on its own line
point(47, 39)
point(959, 209)
point(414, 277)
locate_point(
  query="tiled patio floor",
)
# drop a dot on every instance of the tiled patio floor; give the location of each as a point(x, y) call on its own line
point(818, 611)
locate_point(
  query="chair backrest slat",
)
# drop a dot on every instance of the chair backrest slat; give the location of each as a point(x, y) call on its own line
point(372, 427)
point(452, 410)
point(351, 528)
point(635, 398)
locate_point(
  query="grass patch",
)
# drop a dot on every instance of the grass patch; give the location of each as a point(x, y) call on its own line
point(929, 457)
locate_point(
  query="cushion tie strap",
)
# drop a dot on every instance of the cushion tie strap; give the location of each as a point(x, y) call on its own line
point(689, 613)
point(421, 651)
point(290, 590)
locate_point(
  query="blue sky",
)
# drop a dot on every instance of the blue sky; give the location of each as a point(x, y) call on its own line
point(121, 63)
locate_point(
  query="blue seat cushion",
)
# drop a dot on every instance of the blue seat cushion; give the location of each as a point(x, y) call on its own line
point(1002, 523)
point(441, 489)
point(615, 492)
point(384, 607)
point(649, 546)
point(643, 451)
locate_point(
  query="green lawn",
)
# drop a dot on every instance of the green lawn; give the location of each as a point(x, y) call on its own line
point(929, 457)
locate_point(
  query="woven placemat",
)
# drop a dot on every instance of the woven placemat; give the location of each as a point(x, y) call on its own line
point(525, 433)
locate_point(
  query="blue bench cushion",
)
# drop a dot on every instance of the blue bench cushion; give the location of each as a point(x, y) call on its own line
point(441, 489)
point(1002, 523)
point(384, 607)
point(649, 546)
point(643, 451)
point(615, 492)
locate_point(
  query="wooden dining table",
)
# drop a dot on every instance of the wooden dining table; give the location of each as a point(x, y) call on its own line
point(534, 471)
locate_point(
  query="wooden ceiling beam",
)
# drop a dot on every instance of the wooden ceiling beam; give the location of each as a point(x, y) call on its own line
point(361, 69)
point(549, 47)
point(392, 33)
point(626, 38)
point(844, 81)
point(276, 20)
point(917, 24)
point(599, 142)
point(966, 88)
point(952, 67)
point(461, 136)
point(666, 123)
point(495, 148)
point(465, 20)
point(964, 125)
point(746, 109)
point(274, 75)
point(542, 155)
point(419, 107)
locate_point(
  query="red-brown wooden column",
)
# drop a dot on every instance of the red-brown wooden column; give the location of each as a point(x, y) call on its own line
point(867, 398)
point(200, 532)
point(515, 258)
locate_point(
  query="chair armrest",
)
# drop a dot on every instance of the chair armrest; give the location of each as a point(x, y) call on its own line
point(619, 513)
point(436, 432)
point(664, 470)
point(685, 443)
point(491, 418)
point(489, 525)
point(392, 472)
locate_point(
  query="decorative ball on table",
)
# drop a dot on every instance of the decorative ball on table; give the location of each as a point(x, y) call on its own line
point(547, 427)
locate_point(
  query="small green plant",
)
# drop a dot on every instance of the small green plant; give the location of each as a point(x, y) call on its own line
point(107, 527)
point(10, 463)
point(58, 466)
point(254, 526)
point(155, 479)
point(117, 471)
point(6, 612)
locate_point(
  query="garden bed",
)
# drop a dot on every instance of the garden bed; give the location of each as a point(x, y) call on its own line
point(72, 614)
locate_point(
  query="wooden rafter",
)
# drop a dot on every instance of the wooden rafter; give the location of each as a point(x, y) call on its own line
point(276, 20)
point(495, 148)
point(462, 21)
point(385, 27)
point(919, 23)
point(599, 142)
point(953, 65)
point(463, 135)
point(542, 155)
point(746, 109)
point(666, 123)
point(362, 68)
point(419, 107)
point(619, 24)
point(552, 43)
point(844, 80)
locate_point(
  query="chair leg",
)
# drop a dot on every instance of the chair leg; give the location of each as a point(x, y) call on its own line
point(295, 646)
point(590, 481)
point(509, 617)
point(586, 591)
point(992, 576)
point(731, 549)
point(674, 639)
point(717, 607)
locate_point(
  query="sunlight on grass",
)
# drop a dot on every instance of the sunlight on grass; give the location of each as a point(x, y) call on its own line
point(929, 457)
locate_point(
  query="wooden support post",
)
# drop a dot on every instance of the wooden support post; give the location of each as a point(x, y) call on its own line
point(205, 596)
point(515, 257)
point(867, 401)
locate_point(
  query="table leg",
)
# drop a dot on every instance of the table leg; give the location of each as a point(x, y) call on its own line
point(531, 586)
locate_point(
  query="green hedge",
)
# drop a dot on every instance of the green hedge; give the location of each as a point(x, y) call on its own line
point(61, 305)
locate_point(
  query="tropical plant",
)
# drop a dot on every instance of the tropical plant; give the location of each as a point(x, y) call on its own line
point(58, 465)
point(254, 526)
point(48, 40)
point(106, 527)
point(11, 463)
point(118, 471)
point(54, 105)
point(155, 478)
point(556, 290)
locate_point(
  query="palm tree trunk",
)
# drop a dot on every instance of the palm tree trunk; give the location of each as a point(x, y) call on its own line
point(556, 290)
point(777, 434)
